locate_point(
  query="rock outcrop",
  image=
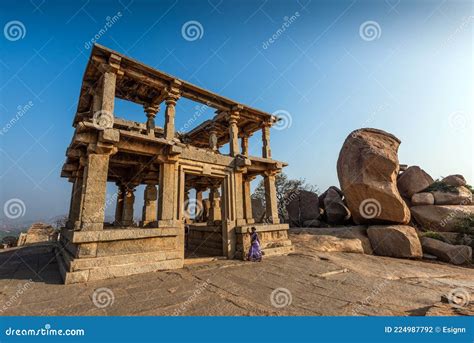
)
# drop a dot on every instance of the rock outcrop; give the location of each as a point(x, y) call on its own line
point(413, 180)
point(303, 206)
point(395, 241)
point(367, 168)
point(458, 196)
point(38, 233)
point(424, 198)
point(454, 254)
point(455, 180)
point(440, 217)
point(335, 210)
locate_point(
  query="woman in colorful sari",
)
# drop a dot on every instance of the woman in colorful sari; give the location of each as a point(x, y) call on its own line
point(255, 254)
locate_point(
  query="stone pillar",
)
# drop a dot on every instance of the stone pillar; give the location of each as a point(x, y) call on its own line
point(94, 190)
point(215, 210)
point(199, 208)
point(239, 199)
point(248, 199)
point(172, 95)
point(104, 95)
point(234, 131)
point(151, 111)
point(213, 139)
point(128, 202)
point(166, 199)
point(119, 206)
point(76, 199)
point(245, 144)
point(150, 202)
point(271, 198)
point(266, 151)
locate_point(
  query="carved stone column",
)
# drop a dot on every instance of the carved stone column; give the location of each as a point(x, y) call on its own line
point(233, 118)
point(167, 194)
point(119, 205)
point(76, 199)
point(151, 111)
point(266, 151)
point(150, 205)
point(213, 139)
point(172, 96)
point(94, 187)
point(128, 202)
point(215, 210)
point(245, 144)
point(248, 199)
point(199, 208)
point(271, 201)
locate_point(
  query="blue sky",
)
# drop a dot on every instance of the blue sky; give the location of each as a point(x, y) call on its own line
point(324, 73)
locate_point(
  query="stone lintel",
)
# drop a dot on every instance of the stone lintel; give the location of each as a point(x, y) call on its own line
point(117, 234)
point(261, 227)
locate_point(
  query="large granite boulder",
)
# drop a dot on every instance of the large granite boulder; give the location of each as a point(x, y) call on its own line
point(455, 180)
point(455, 254)
point(258, 210)
point(395, 241)
point(423, 198)
point(457, 196)
point(440, 217)
point(413, 180)
point(335, 210)
point(367, 168)
point(303, 206)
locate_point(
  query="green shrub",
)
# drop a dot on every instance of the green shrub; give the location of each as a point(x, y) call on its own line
point(440, 186)
point(466, 224)
point(434, 235)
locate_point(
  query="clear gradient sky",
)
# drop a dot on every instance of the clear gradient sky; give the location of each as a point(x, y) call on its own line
point(412, 75)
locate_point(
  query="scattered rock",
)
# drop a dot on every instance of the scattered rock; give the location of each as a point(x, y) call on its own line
point(455, 180)
point(335, 211)
point(367, 168)
point(423, 198)
point(303, 206)
point(454, 254)
point(440, 217)
point(429, 257)
point(462, 195)
point(38, 233)
point(395, 241)
point(412, 181)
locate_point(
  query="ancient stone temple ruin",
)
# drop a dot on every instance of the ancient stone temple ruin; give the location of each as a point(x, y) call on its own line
point(173, 226)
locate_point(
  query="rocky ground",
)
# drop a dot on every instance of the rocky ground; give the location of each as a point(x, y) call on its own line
point(306, 282)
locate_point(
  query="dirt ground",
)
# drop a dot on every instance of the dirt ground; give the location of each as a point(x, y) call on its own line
point(305, 282)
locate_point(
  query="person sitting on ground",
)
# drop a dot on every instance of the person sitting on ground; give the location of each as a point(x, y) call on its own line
point(255, 254)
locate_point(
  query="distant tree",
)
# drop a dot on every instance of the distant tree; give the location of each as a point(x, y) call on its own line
point(285, 189)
